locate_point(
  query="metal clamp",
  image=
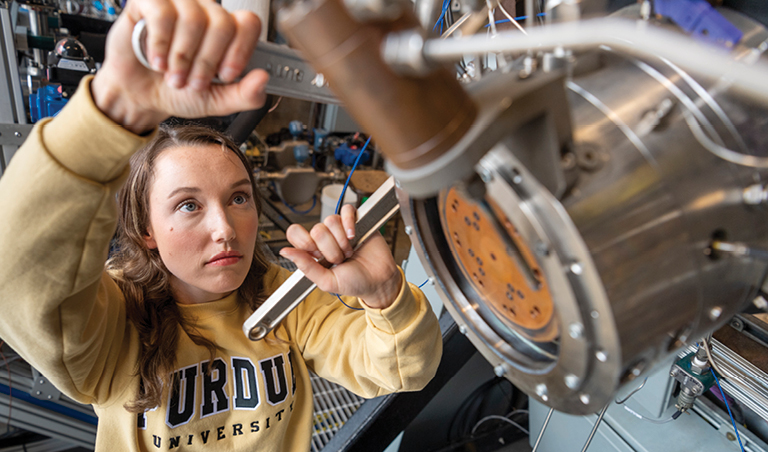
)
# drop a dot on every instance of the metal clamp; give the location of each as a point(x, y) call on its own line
point(379, 208)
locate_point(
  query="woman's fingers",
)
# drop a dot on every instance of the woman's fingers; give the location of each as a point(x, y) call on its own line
point(300, 239)
point(327, 239)
point(335, 226)
point(247, 28)
point(348, 219)
point(327, 244)
point(323, 277)
point(247, 94)
point(219, 34)
point(190, 29)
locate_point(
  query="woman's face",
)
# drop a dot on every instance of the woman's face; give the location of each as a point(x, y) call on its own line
point(203, 221)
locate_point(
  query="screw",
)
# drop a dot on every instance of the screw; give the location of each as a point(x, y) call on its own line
point(584, 398)
point(601, 356)
point(319, 80)
point(38, 392)
point(486, 175)
point(516, 178)
point(715, 313)
point(397, 183)
point(18, 134)
point(408, 230)
point(541, 391)
point(541, 249)
point(463, 329)
point(42, 381)
point(576, 268)
point(50, 397)
point(572, 381)
point(499, 370)
point(730, 436)
point(595, 314)
point(576, 330)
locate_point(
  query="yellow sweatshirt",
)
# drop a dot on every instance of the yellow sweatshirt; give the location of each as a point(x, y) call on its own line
point(66, 317)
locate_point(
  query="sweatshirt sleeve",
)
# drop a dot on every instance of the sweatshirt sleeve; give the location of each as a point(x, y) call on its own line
point(60, 311)
point(371, 352)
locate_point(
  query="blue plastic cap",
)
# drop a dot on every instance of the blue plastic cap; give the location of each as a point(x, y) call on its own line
point(301, 153)
point(296, 128)
point(320, 136)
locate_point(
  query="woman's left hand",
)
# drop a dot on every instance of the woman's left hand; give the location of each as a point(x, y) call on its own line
point(370, 273)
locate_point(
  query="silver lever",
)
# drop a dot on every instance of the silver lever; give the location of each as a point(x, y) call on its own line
point(379, 208)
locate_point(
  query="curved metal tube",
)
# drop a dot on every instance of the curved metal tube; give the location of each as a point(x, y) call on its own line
point(633, 38)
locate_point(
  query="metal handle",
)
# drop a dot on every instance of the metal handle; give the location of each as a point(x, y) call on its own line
point(379, 208)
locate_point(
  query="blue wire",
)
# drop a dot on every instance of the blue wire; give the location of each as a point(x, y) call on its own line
point(346, 184)
point(338, 204)
point(350, 307)
point(725, 399)
point(501, 21)
point(361, 309)
point(301, 212)
point(446, 4)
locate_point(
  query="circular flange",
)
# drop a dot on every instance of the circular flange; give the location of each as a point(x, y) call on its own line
point(567, 354)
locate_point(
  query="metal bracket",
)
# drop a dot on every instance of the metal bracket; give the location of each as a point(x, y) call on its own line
point(379, 208)
point(42, 388)
point(697, 384)
point(289, 74)
point(14, 134)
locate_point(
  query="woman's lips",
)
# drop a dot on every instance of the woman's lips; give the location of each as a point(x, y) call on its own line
point(225, 258)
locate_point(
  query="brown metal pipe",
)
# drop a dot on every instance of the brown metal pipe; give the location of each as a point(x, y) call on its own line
point(413, 119)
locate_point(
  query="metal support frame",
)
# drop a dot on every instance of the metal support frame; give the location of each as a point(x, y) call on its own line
point(25, 404)
point(289, 74)
point(380, 420)
point(11, 96)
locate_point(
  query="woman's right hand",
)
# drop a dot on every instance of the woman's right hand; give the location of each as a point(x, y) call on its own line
point(189, 42)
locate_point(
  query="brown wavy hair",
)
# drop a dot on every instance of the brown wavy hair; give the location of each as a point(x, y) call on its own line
point(143, 277)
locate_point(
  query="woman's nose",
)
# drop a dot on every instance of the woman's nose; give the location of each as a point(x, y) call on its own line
point(222, 229)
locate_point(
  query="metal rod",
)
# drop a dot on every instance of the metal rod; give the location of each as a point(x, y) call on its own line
point(543, 427)
point(594, 429)
point(621, 35)
point(529, 14)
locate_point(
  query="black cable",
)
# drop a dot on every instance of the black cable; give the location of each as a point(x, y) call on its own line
point(473, 408)
point(463, 407)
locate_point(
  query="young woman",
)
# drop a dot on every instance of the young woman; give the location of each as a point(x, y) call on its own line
point(154, 340)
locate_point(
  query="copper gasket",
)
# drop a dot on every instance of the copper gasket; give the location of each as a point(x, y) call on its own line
point(491, 267)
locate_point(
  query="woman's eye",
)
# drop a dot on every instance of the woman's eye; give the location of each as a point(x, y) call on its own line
point(188, 207)
point(240, 199)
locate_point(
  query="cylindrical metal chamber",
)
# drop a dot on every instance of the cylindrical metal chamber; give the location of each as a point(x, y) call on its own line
point(570, 298)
